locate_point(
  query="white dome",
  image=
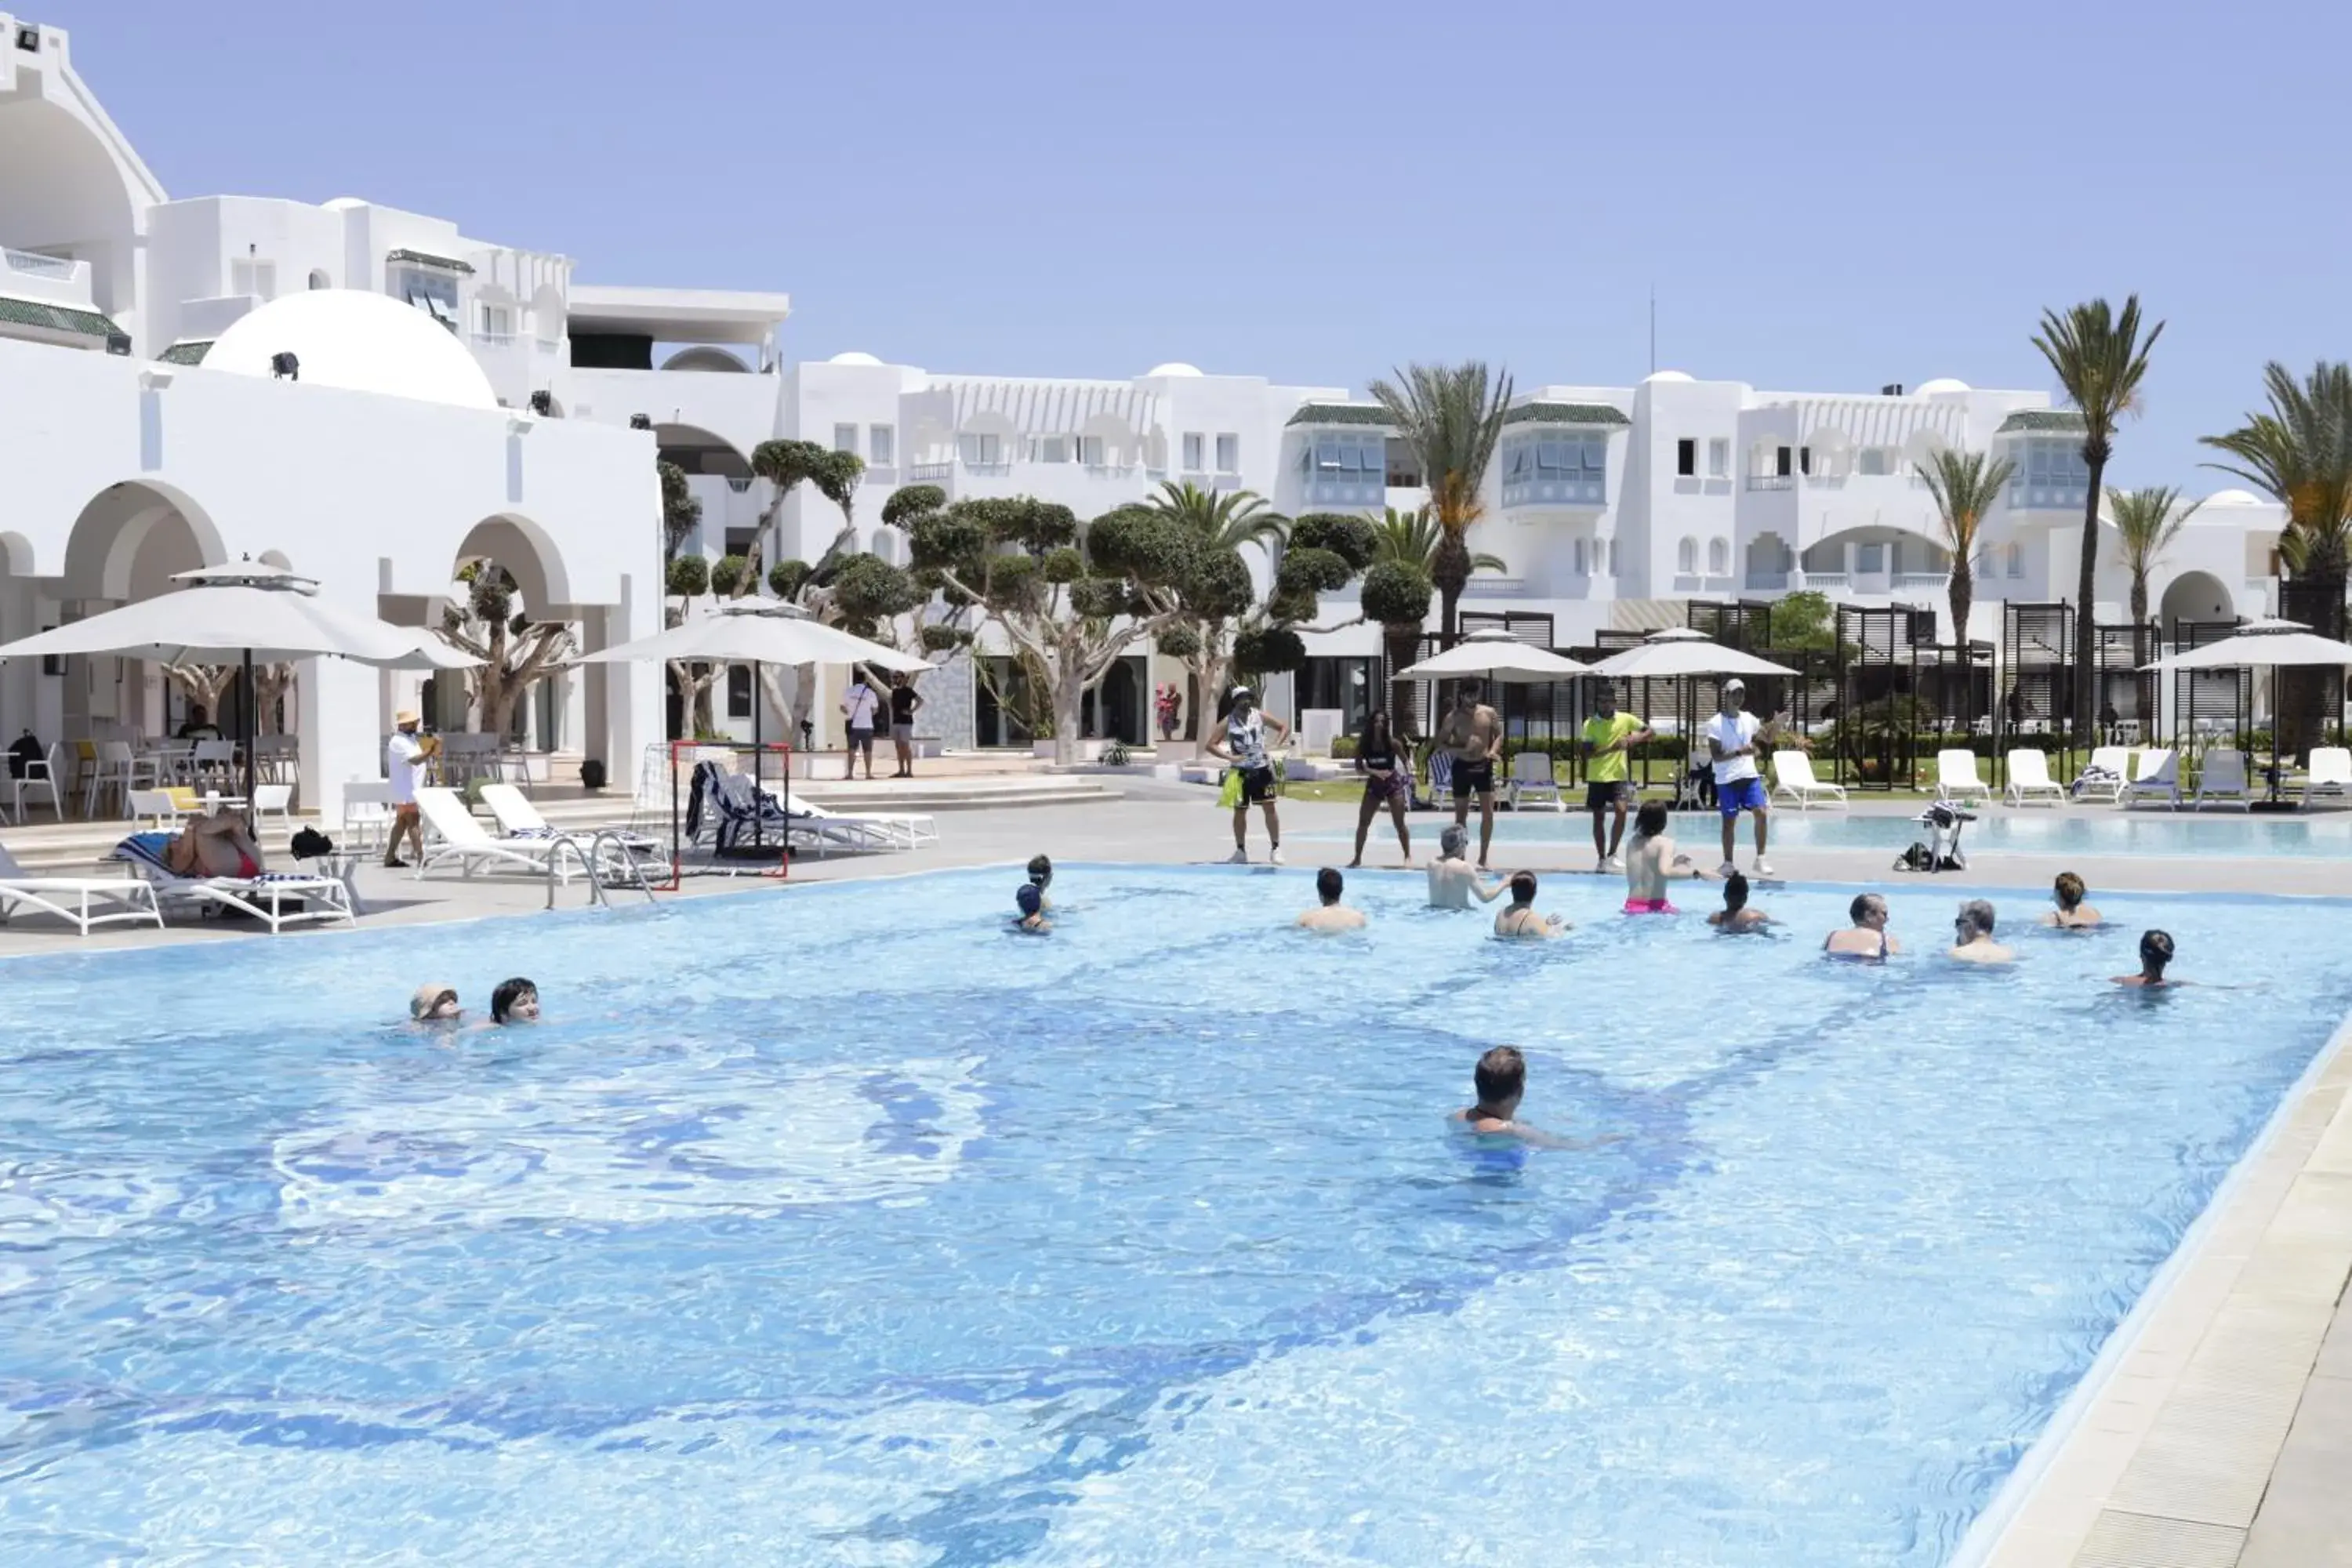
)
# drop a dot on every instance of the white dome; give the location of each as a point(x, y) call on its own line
point(1173, 367)
point(1940, 385)
point(343, 204)
point(2234, 498)
point(357, 341)
point(1664, 375)
point(853, 356)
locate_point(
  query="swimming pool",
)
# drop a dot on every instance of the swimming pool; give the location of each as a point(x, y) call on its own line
point(2091, 830)
point(838, 1227)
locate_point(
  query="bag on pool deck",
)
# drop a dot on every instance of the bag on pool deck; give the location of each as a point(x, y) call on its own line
point(1229, 794)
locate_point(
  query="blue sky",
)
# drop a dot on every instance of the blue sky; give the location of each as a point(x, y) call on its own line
point(1826, 196)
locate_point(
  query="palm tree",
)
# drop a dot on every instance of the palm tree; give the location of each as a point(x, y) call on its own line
point(2300, 452)
point(1964, 486)
point(2100, 358)
point(1414, 537)
point(1223, 521)
point(1452, 417)
point(2146, 525)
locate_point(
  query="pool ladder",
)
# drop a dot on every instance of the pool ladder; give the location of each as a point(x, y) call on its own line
point(591, 857)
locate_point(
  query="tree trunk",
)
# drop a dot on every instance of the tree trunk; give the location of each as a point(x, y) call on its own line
point(2146, 683)
point(2086, 618)
point(1069, 702)
point(1211, 671)
point(1449, 570)
point(1399, 641)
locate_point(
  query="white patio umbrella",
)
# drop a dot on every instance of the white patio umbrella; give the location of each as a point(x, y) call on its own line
point(1678, 651)
point(250, 610)
point(2261, 645)
point(430, 650)
point(1499, 656)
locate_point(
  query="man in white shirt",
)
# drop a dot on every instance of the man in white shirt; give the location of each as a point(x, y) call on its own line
point(1731, 737)
point(858, 709)
point(401, 755)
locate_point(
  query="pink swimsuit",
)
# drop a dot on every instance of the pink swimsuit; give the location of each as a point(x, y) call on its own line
point(1650, 907)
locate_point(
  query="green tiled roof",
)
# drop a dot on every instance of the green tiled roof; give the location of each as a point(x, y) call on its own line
point(65, 319)
point(2041, 419)
point(1342, 414)
point(192, 352)
point(1564, 414)
point(426, 258)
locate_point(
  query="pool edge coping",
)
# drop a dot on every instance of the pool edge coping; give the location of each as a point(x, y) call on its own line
point(2024, 1526)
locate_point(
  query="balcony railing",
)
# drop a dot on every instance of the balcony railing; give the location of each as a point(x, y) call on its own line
point(994, 469)
point(1767, 582)
point(1577, 492)
point(36, 266)
point(1771, 482)
point(2047, 498)
point(490, 340)
point(1828, 582)
point(1109, 471)
point(1907, 581)
point(926, 473)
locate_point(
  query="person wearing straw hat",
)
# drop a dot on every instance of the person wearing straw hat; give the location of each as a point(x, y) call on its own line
point(403, 755)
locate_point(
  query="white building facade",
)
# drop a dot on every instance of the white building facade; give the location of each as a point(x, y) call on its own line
point(145, 433)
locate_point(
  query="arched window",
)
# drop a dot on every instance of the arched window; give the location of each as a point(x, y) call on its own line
point(1718, 557)
point(1687, 556)
point(1579, 558)
point(1612, 558)
point(318, 279)
point(2016, 555)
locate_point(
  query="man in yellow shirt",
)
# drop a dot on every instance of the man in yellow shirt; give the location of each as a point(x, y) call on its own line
point(1609, 736)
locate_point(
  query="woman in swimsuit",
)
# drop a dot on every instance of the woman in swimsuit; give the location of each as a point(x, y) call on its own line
point(1867, 938)
point(1651, 861)
point(2072, 913)
point(1378, 760)
point(213, 845)
point(2155, 953)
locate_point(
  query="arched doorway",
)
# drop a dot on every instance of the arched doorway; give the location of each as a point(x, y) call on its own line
point(511, 603)
point(125, 545)
point(2193, 597)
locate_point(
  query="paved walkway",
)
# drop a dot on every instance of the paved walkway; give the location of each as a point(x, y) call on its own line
point(2222, 1439)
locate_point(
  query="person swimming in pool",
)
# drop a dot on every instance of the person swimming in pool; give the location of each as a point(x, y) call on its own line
point(1331, 914)
point(1738, 916)
point(435, 1005)
point(1031, 903)
point(1972, 940)
point(514, 1001)
point(1451, 879)
point(1520, 920)
point(2072, 913)
point(2154, 957)
point(1501, 1079)
point(1041, 877)
point(1866, 937)
point(1651, 861)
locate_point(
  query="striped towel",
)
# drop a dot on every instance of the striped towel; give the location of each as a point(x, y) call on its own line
point(146, 849)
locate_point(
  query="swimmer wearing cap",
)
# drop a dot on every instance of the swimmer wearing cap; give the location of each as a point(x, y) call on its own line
point(1030, 901)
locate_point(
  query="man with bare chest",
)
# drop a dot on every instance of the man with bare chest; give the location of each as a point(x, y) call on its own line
point(1472, 734)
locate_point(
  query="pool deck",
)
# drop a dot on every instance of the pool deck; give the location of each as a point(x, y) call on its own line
point(2216, 1431)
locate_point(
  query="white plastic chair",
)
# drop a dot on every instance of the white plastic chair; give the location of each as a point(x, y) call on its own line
point(1792, 775)
point(2327, 771)
point(2030, 780)
point(211, 755)
point(155, 809)
point(274, 799)
point(2115, 763)
point(1956, 777)
point(1532, 779)
point(2221, 780)
point(367, 813)
point(41, 773)
point(2157, 777)
point(112, 775)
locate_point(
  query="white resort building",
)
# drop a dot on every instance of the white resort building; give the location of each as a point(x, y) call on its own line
point(452, 398)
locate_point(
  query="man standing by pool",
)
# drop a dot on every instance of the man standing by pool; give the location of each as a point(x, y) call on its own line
point(401, 755)
point(1244, 747)
point(858, 707)
point(1473, 736)
point(1731, 737)
point(1609, 735)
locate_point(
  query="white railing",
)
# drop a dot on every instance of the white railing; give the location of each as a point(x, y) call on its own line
point(1905, 581)
point(924, 473)
point(1828, 581)
point(995, 470)
point(1771, 482)
point(1767, 580)
point(36, 265)
point(490, 340)
point(1109, 471)
point(550, 345)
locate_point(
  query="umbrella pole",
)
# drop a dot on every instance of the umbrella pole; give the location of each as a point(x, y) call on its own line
point(252, 827)
point(757, 833)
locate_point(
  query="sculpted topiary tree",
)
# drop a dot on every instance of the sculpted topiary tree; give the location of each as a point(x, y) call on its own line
point(517, 653)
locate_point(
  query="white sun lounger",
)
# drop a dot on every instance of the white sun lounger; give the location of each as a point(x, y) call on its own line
point(1956, 777)
point(2030, 780)
point(911, 832)
point(1532, 779)
point(519, 818)
point(2327, 771)
point(452, 836)
point(2114, 763)
point(1792, 775)
point(71, 899)
point(263, 898)
point(2221, 780)
point(2157, 777)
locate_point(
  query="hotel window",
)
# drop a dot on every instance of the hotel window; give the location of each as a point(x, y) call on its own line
point(250, 275)
point(845, 437)
point(1579, 558)
point(739, 691)
point(1718, 458)
point(2014, 557)
point(1805, 459)
point(1090, 451)
point(977, 451)
point(880, 446)
point(739, 540)
point(1195, 446)
point(1871, 460)
point(1718, 557)
point(1049, 449)
point(492, 323)
point(430, 289)
point(1780, 456)
point(1687, 457)
point(1403, 465)
point(1229, 454)
point(1870, 559)
point(1687, 556)
point(1612, 558)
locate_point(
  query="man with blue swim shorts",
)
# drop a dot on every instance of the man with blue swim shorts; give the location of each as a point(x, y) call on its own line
point(1738, 787)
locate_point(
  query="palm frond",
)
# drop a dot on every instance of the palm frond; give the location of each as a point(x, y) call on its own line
point(1965, 487)
point(1452, 417)
point(1224, 520)
point(2100, 356)
point(2146, 522)
point(2300, 454)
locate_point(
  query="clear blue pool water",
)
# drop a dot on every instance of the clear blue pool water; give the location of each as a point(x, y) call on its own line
point(838, 1227)
point(2089, 830)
